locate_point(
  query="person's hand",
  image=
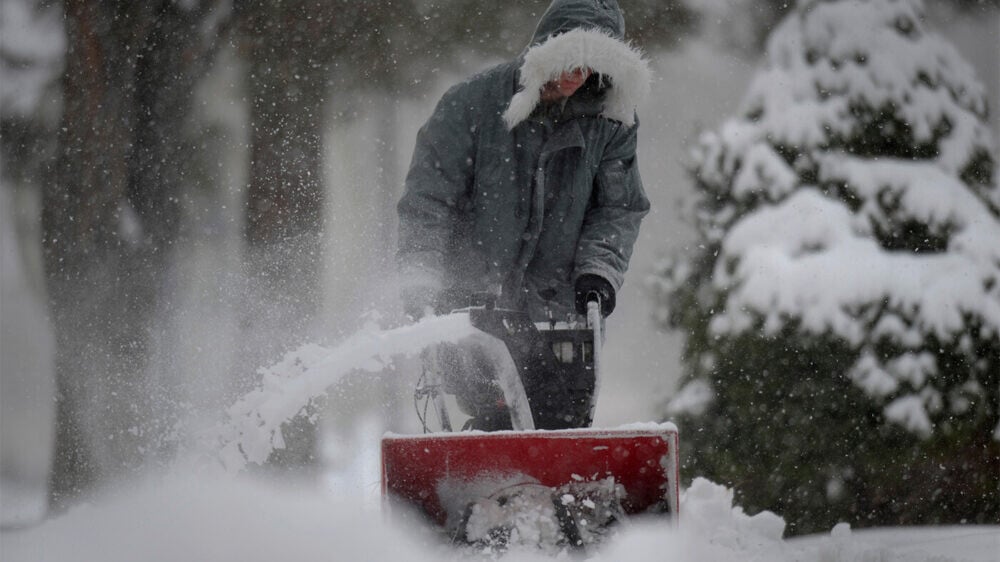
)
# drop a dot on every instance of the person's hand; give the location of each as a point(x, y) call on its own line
point(418, 301)
point(587, 286)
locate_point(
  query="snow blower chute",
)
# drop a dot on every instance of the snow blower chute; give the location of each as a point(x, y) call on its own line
point(531, 458)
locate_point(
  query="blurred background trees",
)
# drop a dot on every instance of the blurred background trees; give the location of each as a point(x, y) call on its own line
point(110, 220)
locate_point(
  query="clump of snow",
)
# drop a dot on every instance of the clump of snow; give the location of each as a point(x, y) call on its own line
point(526, 519)
point(454, 492)
point(707, 506)
point(911, 411)
point(523, 516)
point(694, 399)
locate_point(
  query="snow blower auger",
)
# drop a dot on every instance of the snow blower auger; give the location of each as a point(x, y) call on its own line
point(531, 471)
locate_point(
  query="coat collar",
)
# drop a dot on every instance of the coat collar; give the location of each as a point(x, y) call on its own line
point(567, 135)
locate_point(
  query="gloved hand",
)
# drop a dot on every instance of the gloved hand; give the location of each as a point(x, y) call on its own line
point(589, 283)
point(418, 301)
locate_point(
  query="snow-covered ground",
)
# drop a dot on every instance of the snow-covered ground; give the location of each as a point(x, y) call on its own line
point(198, 516)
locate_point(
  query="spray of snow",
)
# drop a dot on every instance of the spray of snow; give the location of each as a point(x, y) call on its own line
point(253, 429)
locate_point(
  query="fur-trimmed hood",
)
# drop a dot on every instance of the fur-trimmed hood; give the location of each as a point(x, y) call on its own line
point(582, 34)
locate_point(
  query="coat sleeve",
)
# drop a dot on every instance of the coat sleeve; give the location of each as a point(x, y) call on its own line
point(437, 190)
point(617, 205)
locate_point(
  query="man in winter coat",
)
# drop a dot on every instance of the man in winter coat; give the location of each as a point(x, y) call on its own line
point(524, 182)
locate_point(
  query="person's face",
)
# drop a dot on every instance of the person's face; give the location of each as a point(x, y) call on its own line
point(566, 84)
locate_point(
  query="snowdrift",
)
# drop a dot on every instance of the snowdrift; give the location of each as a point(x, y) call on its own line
point(195, 516)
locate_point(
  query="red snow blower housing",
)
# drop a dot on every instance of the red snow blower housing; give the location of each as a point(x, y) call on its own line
point(531, 470)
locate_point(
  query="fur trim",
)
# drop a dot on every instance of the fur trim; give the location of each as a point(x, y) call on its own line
point(579, 48)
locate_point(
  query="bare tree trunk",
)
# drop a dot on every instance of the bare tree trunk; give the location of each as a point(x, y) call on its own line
point(110, 220)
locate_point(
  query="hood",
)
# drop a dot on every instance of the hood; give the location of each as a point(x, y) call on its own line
point(582, 33)
point(567, 15)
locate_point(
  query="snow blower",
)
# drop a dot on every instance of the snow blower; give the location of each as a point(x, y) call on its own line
point(528, 468)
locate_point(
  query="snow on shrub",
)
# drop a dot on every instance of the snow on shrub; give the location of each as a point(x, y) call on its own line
point(849, 227)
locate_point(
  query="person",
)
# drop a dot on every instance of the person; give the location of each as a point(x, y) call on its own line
point(524, 182)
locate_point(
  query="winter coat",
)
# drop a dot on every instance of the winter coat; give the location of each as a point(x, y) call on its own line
point(509, 195)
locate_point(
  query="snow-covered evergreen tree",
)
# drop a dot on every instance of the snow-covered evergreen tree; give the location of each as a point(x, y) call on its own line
point(842, 305)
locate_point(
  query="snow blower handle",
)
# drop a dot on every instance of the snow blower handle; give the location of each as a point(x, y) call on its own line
point(595, 321)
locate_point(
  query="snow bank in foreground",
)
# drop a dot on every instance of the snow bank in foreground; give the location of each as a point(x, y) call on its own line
point(193, 517)
point(712, 530)
point(185, 518)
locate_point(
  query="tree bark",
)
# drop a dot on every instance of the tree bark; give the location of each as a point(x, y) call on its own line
point(110, 220)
